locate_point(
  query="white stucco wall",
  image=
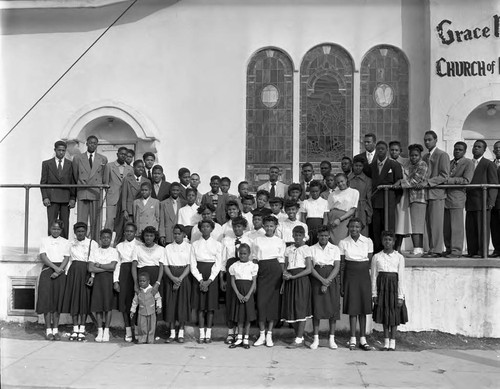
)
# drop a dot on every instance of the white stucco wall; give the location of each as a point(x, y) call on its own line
point(182, 67)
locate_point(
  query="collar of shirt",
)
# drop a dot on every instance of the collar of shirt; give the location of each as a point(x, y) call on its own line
point(432, 151)
point(381, 163)
point(144, 201)
point(476, 161)
point(370, 154)
point(137, 178)
point(147, 288)
point(361, 238)
point(90, 154)
point(361, 176)
point(57, 161)
point(185, 187)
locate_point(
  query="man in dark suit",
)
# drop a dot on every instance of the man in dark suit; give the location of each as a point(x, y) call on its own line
point(485, 172)
point(58, 171)
point(383, 171)
point(161, 188)
point(88, 169)
point(149, 160)
point(495, 212)
point(461, 172)
point(369, 155)
point(185, 179)
point(114, 173)
point(438, 163)
point(307, 171)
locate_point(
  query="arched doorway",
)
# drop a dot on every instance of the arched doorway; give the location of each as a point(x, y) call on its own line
point(483, 123)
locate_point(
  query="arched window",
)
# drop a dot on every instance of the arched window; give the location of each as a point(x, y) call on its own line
point(384, 94)
point(326, 104)
point(269, 115)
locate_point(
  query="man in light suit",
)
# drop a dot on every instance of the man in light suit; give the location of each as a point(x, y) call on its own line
point(88, 169)
point(131, 190)
point(485, 172)
point(461, 172)
point(114, 174)
point(169, 211)
point(58, 171)
point(280, 189)
point(368, 156)
point(495, 212)
point(160, 187)
point(384, 171)
point(438, 171)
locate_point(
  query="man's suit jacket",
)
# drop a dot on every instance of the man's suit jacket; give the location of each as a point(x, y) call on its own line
point(460, 175)
point(131, 190)
point(497, 203)
point(390, 174)
point(437, 173)
point(485, 173)
point(113, 178)
point(220, 209)
point(303, 185)
point(366, 165)
point(281, 190)
point(168, 218)
point(51, 176)
point(84, 175)
point(146, 214)
point(164, 191)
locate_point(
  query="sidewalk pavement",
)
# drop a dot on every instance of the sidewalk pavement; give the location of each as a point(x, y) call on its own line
point(44, 364)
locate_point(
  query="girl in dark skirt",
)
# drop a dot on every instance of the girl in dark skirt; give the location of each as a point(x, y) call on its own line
point(54, 253)
point(101, 267)
point(325, 286)
point(230, 245)
point(314, 211)
point(177, 284)
point(122, 277)
point(356, 253)
point(389, 308)
point(76, 299)
point(269, 251)
point(243, 283)
point(296, 308)
point(205, 267)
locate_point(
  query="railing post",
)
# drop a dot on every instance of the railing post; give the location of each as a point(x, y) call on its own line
point(386, 208)
point(26, 217)
point(486, 236)
point(99, 214)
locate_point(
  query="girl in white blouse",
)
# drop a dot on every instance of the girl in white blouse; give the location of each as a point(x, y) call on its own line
point(77, 294)
point(356, 252)
point(314, 211)
point(388, 268)
point(54, 253)
point(270, 255)
point(285, 228)
point(148, 257)
point(205, 267)
point(296, 307)
point(188, 214)
point(342, 204)
point(206, 212)
point(101, 268)
point(122, 277)
point(177, 284)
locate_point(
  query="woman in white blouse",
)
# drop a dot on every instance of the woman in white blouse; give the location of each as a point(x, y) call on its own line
point(342, 204)
point(205, 267)
point(269, 251)
point(177, 284)
point(356, 252)
point(76, 299)
point(122, 277)
point(148, 257)
point(54, 254)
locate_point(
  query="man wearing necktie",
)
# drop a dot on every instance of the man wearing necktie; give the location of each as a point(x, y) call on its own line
point(307, 176)
point(58, 201)
point(368, 156)
point(149, 160)
point(273, 186)
point(88, 169)
point(495, 212)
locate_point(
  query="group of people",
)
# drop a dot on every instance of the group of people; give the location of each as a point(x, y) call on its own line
point(288, 253)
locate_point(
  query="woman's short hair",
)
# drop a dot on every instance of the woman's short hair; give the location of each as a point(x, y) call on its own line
point(270, 218)
point(80, 225)
point(356, 220)
point(149, 230)
point(205, 206)
point(209, 222)
point(415, 146)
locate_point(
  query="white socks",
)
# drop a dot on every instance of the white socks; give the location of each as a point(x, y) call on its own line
point(82, 328)
point(55, 330)
point(386, 342)
point(392, 344)
point(362, 340)
point(48, 331)
point(202, 333)
point(172, 334)
point(208, 333)
point(75, 329)
point(181, 333)
point(299, 340)
point(128, 331)
point(352, 340)
point(239, 340)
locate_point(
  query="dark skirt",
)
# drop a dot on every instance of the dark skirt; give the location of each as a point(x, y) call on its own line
point(230, 295)
point(50, 291)
point(76, 299)
point(296, 299)
point(127, 292)
point(313, 224)
point(206, 301)
point(387, 311)
point(102, 293)
point(242, 312)
point(269, 280)
point(357, 288)
point(325, 305)
point(153, 274)
point(177, 302)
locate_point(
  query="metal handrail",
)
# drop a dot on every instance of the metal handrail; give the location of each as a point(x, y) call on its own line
point(27, 188)
point(484, 187)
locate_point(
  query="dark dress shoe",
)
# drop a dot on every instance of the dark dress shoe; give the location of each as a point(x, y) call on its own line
point(477, 256)
point(494, 254)
point(453, 256)
point(57, 336)
point(431, 255)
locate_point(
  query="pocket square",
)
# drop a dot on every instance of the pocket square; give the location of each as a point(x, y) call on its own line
point(390, 171)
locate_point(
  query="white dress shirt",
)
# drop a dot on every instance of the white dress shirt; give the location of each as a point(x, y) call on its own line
point(79, 250)
point(178, 254)
point(315, 208)
point(206, 250)
point(188, 215)
point(216, 233)
point(284, 230)
point(325, 256)
point(244, 270)
point(125, 250)
point(392, 263)
point(55, 248)
point(62, 162)
point(370, 156)
point(249, 218)
point(343, 199)
point(295, 257)
point(229, 248)
point(254, 234)
point(356, 250)
point(148, 256)
point(265, 248)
